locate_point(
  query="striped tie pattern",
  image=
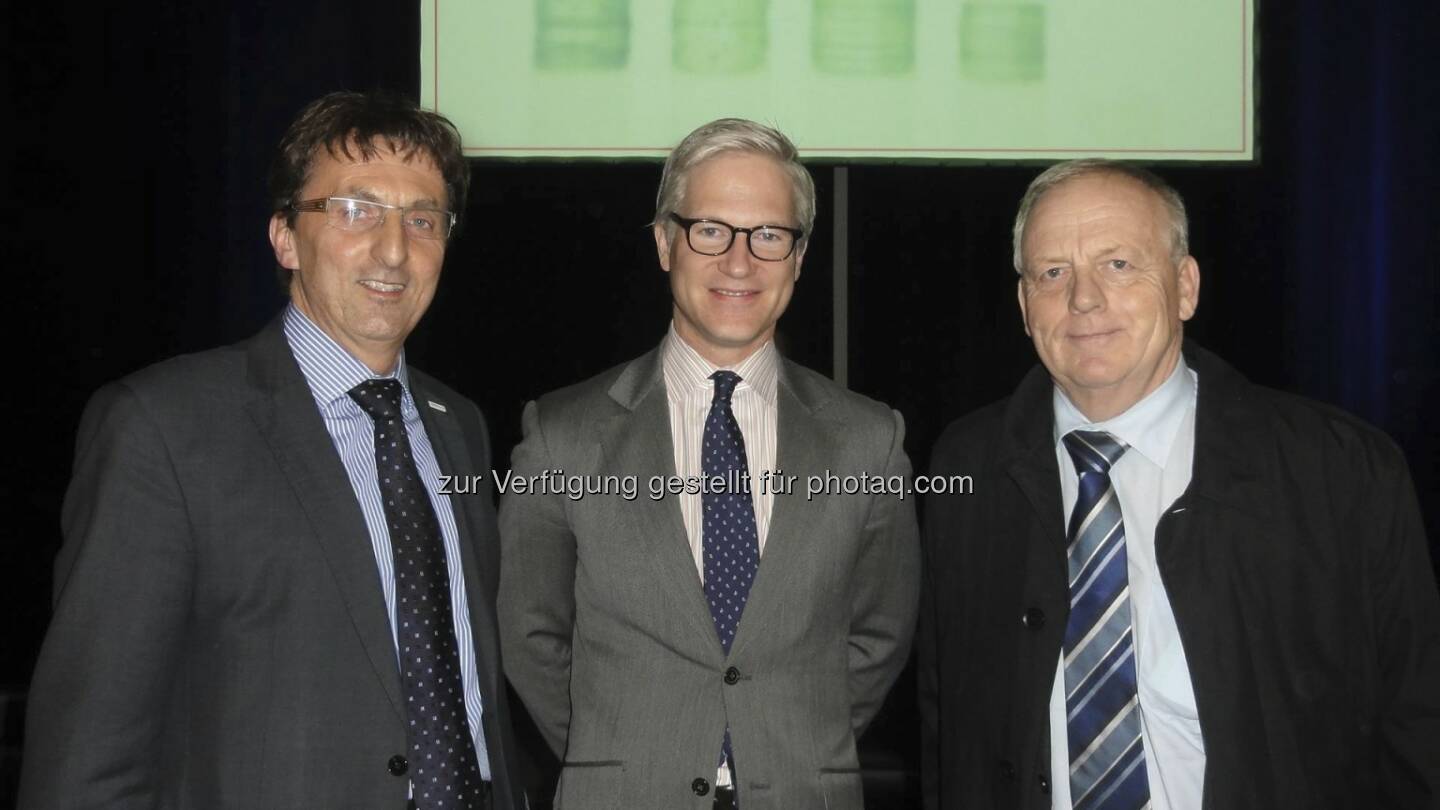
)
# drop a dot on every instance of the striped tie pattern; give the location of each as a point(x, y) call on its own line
point(1102, 706)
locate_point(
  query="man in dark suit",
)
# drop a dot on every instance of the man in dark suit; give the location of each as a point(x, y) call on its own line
point(682, 648)
point(1172, 588)
point(265, 597)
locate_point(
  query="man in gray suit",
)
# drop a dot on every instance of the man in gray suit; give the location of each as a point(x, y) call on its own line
point(708, 643)
point(247, 613)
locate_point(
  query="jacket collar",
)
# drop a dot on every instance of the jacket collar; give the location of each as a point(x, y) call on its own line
point(1231, 441)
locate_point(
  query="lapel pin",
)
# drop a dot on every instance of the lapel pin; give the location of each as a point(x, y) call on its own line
point(437, 406)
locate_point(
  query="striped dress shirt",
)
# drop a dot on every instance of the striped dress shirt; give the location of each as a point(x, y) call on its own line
point(1153, 473)
point(331, 372)
point(690, 390)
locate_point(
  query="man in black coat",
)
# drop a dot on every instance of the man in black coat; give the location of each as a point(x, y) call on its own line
point(1170, 588)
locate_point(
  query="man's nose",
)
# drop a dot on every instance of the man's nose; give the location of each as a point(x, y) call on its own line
point(1086, 293)
point(738, 261)
point(392, 244)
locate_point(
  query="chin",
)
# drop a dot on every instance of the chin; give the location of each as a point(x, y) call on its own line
point(383, 331)
point(1095, 379)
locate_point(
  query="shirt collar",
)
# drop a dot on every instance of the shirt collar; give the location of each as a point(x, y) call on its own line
point(1149, 426)
point(330, 370)
point(686, 370)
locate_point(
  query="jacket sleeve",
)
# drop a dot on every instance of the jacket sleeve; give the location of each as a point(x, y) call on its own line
point(537, 589)
point(123, 584)
point(1406, 612)
point(887, 591)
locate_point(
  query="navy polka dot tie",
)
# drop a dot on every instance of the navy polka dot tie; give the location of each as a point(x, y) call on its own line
point(445, 771)
point(731, 542)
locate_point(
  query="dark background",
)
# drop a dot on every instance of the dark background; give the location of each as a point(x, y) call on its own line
point(135, 216)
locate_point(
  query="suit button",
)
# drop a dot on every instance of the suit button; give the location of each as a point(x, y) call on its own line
point(1007, 770)
point(1034, 618)
point(732, 676)
point(1043, 782)
point(700, 786)
point(398, 765)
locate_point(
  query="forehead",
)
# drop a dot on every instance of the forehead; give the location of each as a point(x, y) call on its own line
point(740, 185)
point(1095, 206)
point(386, 171)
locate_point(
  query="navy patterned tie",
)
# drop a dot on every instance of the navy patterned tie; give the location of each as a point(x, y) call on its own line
point(442, 752)
point(1102, 706)
point(731, 542)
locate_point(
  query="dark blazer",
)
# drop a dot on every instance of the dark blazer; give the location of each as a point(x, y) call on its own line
point(1298, 571)
point(220, 639)
point(608, 637)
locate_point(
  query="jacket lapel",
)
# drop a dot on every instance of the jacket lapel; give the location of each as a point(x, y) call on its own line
point(1230, 498)
point(286, 416)
point(474, 523)
point(636, 441)
point(1199, 541)
point(1030, 453)
point(1038, 548)
point(1230, 440)
point(803, 442)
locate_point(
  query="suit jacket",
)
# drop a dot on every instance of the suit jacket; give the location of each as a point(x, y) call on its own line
point(1297, 568)
point(607, 635)
point(220, 639)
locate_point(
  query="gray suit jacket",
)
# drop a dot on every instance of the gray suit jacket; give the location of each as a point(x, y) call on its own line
point(220, 639)
point(609, 640)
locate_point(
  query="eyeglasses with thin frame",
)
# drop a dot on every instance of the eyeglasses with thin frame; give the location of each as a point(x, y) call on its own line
point(711, 237)
point(349, 214)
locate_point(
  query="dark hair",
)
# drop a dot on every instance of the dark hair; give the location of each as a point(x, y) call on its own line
point(346, 123)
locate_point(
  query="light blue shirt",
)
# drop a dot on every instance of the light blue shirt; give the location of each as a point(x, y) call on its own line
point(332, 372)
point(1148, 478)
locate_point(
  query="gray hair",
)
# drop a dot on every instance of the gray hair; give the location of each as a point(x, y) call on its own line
point(734, 135)
point(1071, 169)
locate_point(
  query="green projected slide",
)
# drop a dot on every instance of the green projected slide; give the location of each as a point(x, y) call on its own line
point(848, 79)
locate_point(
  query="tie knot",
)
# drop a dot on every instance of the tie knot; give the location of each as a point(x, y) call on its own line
point(379, 398)
point(725, 382)
point(1093, 450)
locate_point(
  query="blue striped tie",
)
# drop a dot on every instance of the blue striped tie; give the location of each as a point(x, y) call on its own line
point(1102, 707)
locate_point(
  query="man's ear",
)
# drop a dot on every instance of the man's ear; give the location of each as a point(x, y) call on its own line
point(1189, 284)
point(662, 245)
point(800, 257)
point(282, 239)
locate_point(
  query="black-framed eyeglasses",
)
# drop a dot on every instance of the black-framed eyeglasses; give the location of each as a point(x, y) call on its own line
point(711, 237)
point(349, 214)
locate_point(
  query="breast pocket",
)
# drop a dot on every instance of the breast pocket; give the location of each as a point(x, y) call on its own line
point(590, 785)
point(842, 789)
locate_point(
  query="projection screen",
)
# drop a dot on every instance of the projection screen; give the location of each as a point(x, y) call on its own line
point(848, 79)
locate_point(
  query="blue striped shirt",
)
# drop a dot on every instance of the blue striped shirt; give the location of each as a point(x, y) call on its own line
point(332, 372)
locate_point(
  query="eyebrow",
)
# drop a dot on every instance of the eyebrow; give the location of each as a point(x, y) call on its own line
point(1039, 260)
point(1109, 250)
point(369, 195)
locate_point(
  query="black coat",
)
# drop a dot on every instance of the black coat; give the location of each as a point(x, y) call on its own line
point(1300, 578)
